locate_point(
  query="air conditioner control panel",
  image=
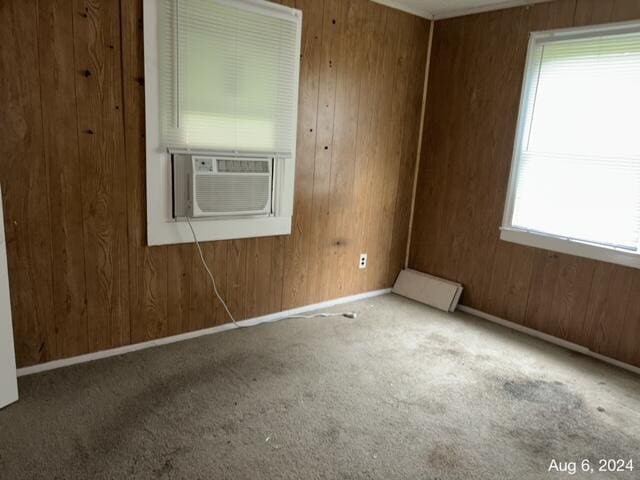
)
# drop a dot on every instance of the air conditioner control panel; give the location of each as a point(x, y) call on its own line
point(203, 164)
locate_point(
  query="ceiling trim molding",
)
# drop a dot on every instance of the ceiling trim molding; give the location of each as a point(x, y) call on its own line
point(398, 5)
point(461, 12)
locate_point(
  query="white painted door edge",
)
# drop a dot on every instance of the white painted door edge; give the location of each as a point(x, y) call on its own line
point(89, 357)
point(548, 338)
point(8, 380)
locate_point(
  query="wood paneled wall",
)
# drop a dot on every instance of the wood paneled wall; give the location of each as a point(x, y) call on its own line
point(474, 88)
point(72, 171)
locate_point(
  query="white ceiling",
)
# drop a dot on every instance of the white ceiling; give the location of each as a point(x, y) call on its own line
point(436, 9)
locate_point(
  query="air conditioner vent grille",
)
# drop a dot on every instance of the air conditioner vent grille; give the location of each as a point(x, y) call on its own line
point(243, 166)
point(229, 194)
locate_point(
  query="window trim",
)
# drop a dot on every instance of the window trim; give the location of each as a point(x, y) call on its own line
point(554, 243)
point(162, 228)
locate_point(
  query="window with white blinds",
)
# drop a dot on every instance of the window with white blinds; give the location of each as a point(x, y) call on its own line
point(228, 72)
point(576, 169)
point(221, 81)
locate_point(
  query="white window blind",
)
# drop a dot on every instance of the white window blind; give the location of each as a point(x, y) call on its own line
point(228, 73)
point(577, 159)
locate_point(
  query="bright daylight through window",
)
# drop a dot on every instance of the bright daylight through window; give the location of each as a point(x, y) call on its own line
point(575, 180)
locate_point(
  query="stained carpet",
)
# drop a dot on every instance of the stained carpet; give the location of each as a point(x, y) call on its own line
point(401, 392)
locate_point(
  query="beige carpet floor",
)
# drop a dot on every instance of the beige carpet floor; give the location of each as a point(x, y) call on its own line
point(401, 392)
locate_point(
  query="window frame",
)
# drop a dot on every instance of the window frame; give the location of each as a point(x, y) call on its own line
point(545, 241)
point(162, 228)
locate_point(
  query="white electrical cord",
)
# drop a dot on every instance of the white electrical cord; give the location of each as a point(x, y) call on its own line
point(215, 290)
point(324, 315)
point(213, 281)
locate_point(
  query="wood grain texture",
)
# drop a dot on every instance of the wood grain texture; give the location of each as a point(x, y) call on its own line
point(24, 174)
point(474, 89)
point(298, 243)
point(408, 154)
point(73, 172)
point(100, 136)
point(149, 271)
point(59, 107)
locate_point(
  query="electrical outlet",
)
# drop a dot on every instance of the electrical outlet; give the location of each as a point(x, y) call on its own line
point(363, 261)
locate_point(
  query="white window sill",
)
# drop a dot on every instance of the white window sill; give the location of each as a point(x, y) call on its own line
point(571, 247)
point(172, 232)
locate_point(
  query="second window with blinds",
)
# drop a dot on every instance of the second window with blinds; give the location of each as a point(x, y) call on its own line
point(575, 176)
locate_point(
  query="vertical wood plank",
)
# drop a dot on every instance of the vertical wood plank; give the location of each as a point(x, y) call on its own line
point(236, 274)
point(370, 79)
point(480, 213)
point(202, 297)
point(221, 252)
point(511, 273)
point(589, 12)
point(179, 274)
point(349, 59)
point(57, 68)
point(434, 193)
point(570, 298)
point(624, 10)
point(409, 147)
point(276, 284)
point(297, 245)
point(263, 283)
point(147, 266)
point(608, 302)
point(392, 153)
point(102, 153)
point(628, 349)
point(379, 175)
point(25, 185)
point(257, 279)
point(333, 20)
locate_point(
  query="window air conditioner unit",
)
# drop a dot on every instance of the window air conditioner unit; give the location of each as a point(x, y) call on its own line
point(222, 186)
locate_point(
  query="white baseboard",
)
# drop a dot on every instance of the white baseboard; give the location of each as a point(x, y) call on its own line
point(273, 317)
point(548, 338)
